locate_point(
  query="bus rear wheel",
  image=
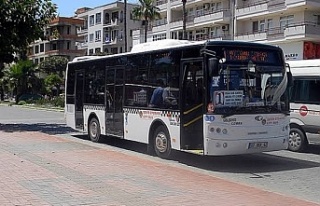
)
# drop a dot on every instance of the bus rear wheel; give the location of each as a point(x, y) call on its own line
point(162, 142)
point(94, 130)
point(297, 140)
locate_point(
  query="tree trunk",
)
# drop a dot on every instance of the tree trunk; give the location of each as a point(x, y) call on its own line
point(146, 30)
point(184, 34)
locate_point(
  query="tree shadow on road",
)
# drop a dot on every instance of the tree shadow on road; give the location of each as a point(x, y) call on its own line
point(51, 129)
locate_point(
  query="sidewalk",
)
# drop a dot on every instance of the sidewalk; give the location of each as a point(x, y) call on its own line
point(41, 169)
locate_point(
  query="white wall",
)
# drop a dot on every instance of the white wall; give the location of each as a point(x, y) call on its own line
point(292, 50)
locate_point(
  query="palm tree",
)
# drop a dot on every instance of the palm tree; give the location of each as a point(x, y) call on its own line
point(146, 12)
point(22, 74)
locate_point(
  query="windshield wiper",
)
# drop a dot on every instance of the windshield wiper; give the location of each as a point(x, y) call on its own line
point(272, 108)
point(232, 112)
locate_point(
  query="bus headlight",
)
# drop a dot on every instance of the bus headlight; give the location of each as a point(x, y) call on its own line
point(224, 131)
point(218, 130)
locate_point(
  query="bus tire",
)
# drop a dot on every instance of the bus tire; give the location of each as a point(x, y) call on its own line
point(94, 130)
point(162, 142)
point(297, 140)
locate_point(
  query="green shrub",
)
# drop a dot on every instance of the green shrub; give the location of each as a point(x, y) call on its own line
point(58, 101)
point(22, 102)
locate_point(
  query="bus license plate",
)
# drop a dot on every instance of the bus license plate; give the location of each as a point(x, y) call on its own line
point(258, 145)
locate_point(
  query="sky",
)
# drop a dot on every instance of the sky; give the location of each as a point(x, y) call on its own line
point(66, 8)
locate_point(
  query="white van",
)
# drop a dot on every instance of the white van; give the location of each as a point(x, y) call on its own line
point(304, 104)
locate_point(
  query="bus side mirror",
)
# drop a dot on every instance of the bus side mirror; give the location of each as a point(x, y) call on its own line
point(289, 76)
point(290, 79)
point(213, 67)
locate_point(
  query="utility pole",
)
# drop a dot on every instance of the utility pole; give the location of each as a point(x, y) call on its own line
point(125, 26)
point(184, 20)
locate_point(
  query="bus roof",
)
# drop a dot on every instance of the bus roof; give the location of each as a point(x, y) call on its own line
point(163, 44)
point(175, 43)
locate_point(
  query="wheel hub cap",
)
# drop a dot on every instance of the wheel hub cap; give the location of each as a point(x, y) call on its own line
point(161, 142)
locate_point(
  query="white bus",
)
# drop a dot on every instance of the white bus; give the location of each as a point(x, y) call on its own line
point(304, 104)
point(226, 97)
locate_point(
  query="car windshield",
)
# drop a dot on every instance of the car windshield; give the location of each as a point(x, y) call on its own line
point(248, 89)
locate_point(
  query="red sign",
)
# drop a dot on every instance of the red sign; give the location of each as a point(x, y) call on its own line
point(303, 110)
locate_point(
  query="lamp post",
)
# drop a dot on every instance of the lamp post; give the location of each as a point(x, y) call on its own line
point(184, 20)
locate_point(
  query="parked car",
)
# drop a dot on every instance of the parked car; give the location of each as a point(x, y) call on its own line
point(304, 104)
point(26, 97)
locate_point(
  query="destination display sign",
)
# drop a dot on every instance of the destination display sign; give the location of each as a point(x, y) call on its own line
point(240, 55)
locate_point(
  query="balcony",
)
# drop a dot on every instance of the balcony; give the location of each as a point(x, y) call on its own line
point(303, 30)
point(213, 17)
point(112, 41)
point(159, 28)
point(81, 45)
point(249, 10)
point(295, 3)
point(175, 3)
point(82, 31)
point(162, 5)
point(308, 30)
point(63, 52)
point(111, 23)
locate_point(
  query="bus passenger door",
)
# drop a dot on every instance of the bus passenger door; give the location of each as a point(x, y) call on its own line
point(79, 95)
point(192, 104)
point(114, 101)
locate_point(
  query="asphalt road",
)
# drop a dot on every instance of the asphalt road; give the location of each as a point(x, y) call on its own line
point(284, 172)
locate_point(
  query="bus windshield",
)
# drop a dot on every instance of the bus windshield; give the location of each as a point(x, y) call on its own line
point(239, 89)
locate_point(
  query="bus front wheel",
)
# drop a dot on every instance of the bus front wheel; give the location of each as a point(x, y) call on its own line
point(94, 130)
point(162, 142)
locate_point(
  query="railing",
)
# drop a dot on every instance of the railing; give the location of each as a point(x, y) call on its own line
point(276, 5)
point(280, 32)
point(190, 18)
point(161, 2)
point(254, 3)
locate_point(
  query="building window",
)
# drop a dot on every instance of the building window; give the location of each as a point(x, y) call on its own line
point(286, 21)
point(159, 37)
point(68, 30)
point(97, 50)
point(262, 25)
point(91, 20)
point(90, 51)
point(36, 49)
point(121, 16)
point(41, 47)
point(91, 36)
point(98, 35)
point(98, 18)
point(114, 50)
point(270, 24)
point(68, 45)
point(255, 26)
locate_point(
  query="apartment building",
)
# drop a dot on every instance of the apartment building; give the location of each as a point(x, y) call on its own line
point(294, 25)
point(103, 29)
point(61, 37)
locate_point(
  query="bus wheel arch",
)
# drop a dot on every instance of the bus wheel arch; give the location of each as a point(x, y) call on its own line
point(94, 129)
point(297, 138)
point(161, 141)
